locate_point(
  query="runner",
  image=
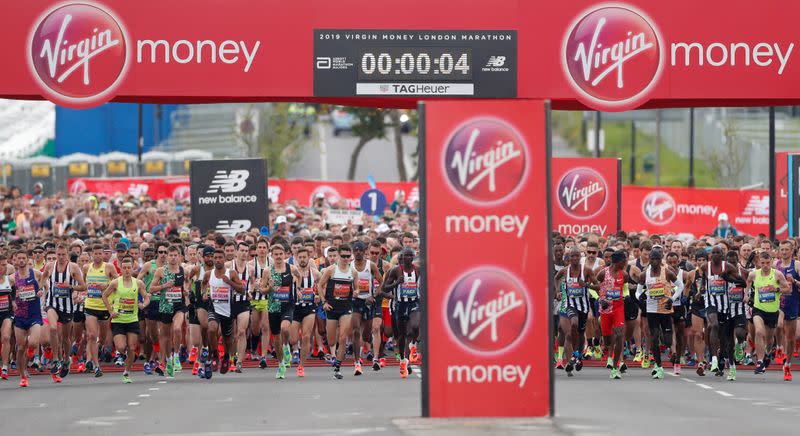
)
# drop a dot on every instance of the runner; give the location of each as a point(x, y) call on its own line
point(717, 274)
point(219, 284)
point(27, 313)
point(364, 305)
point(573, 320)
point(199, 308)
point(259, 319)
point(381, 323)
point(680, 309)
point(764, 284)
point(241, 305)
point(612, 308)
point(154, 356)
point(789, 307)
point(335, 288)
point(306, 301)
point(698, 309)
point(634, 328)
point(124, 312)
point(402, 286)
point(64, 278)
point(658, 281)
point(6, 315)
point(281, 282)
point(169, 283)
point(98, 274)
point(735, 330)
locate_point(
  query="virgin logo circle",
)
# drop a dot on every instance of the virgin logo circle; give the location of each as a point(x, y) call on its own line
point(485, 160)
point(582, 192)
point(612, 56)
point(78, 54)
point(329, 193)
point(487, 310)
point(659, 207)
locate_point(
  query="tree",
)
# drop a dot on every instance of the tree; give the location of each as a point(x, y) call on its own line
point(276, 138)
point(370, 125)
point(728, 164)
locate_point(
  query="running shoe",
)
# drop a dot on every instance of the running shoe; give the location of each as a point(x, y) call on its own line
point(193, 355)
point(64, 370)
point(183, 354)
point(701, 369)
point(570, 367)
point(118, 361)
point(287, 355)
point(4, 373)
point(301, 372)
point(225, 364)
point(579, 365)
point(263, 363)
point(148, 368)
point(691, 362)
point(295, 357)
point(676, 369)
point(126, 378)
point(159, 369)
point(413, 356)
point(206, 370)
point(89, 367)
point(56, 378)
point(357, 368)
point(370, 355)
point(281, 374)
point(615, 374)
point(98, 372)
point(238, 367)
point(204, 354)
point(376, 366)
point(80, 367)
point(609, 363)
point(787, 373)
point(646, 361)
point(23, 382)
point(337, 374)
point(170, 367)
point(623, 368)
point(598, 353)
point(714, 366)
point(732, 374)
point(639, 356)
point(760, 368)
point(195, 367)
point(659, 373)
point(779, 356)
point(382, 361)
point(738, 353)
point(13, 364)
point(403, 369)
point(560, 364)
point(748, 360)
point(232, 366)
point(176, 364)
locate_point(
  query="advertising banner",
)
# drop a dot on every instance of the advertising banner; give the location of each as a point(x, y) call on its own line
point(693, 210)
point(229, 195)
point(157, 188)
point(793, 179)
point(782, 191)
point(586, 195)
point(341, 194)
point(486, 319)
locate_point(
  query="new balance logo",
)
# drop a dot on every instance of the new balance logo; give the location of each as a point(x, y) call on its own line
point(224, 181)
point(758, 205)
point(496, 61)
point(232, 227)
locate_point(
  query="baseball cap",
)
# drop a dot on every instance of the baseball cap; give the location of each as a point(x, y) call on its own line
point(121, 246)
point(280, 220)
point(359, 245)
point(208, 250)
point(723, 217)
point(382, 228)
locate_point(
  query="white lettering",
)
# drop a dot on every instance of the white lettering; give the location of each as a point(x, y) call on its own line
point(490, 223)
point(488, 374)
point(718, 54)
point(234, 49)
point(190, 51)
point(184, 51)
point(575, 229)
point(249, 55)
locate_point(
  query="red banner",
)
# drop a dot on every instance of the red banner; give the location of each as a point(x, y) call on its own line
point(488, 313)
point(692, 210)
point(585, 195)
point(607, 56)
point(156, 188)
point(782, 188)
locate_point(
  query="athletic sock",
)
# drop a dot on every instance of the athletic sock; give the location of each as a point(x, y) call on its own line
point(560, 352)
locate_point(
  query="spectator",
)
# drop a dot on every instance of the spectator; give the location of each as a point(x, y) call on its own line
point(724, 229)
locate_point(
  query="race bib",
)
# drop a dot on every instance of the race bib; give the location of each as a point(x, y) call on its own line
point(27, 293)
point(717, 287)
point(766, 294)
point(575, 290)
point(341, 290)
point(174, 294)
point(363, 286)
point(61, 290)
point(221, 293)
point(656, 291)
point(736, 294)
point(307, 295)
point(408, 289)
point(613, 294)
point(95, 290)
point(5, 302)
point(126, 306)
point(281, 294)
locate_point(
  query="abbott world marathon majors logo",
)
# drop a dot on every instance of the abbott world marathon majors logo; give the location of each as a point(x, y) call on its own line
point(582, 193)
point(488, 311)
point(79, 54)
point(612, 56)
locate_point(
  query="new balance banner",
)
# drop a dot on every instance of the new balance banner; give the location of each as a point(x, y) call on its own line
point(229, 196)
point(792, 183)
point(585, 195)
point(782, 191)
point(486, 324)
point(692, 210)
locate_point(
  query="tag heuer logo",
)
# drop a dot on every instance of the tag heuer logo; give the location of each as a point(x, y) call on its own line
point(224, 181)
point(232, 227)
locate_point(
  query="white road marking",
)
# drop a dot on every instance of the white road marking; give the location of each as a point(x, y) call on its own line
point(102, 421)
point(144, 395)
point(688, 380)
point(153, 389)
point(316, 397)
point(122, 410)
point(724, 394)
point(162, 382)
point(307, 431)
point(704, 386)
point(672, 374)
point(133, 403)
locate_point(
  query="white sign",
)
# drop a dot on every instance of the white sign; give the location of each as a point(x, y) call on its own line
point(342, 216)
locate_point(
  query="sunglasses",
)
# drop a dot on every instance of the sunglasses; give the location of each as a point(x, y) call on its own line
point(591, 252)
point(344, 256)
point(375, 253)
point(162, 252)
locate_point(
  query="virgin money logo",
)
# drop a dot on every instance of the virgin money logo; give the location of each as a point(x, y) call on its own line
point(612, 56)
point(582, 193)
point(78, 187)
point(181, 193)
point(487, 310)
point(659, 207)
point(329, 193)
point(78, 53)
point(485, 161)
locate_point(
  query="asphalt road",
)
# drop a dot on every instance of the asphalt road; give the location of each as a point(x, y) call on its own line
point(252, 403)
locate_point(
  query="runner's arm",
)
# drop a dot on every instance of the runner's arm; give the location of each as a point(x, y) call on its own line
point(785, 288)
point(143, 292)
point(142, 273)
point(77, 275)
point(235, 283)
point(107, 293)
point(323, 283)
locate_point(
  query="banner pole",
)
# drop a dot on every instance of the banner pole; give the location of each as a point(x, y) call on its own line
point(550, 288)
point(423, 237)
point(619, 194)
point(691, 147)
point(772, 199)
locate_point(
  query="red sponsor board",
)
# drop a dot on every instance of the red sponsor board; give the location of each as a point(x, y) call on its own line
point(342, 194)
point(782, 194)
point(487, 316)
point(585, 195)
point(692, 210)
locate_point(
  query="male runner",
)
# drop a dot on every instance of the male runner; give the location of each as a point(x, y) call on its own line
point(199, 308)
point(735, 329)
point(169, 283)
point(634, 323)
point(98, 274)
point(259, 319)
point(124, 312)
point(305, 309)
point(680, 309)
point(335, 288)
point(612, 307)
point(717, 274)
point(220, 284)
point(6, 316)
point(27, 313)
point(241, 306)
point(765, 284)
point(402, 286)
point(364, 304)
point(573, 321)
point(64, 278)
point(698, 316)
point(281, 282)
point(152, 315)
point(381, 323)
point(658, 281)
point(789, 307)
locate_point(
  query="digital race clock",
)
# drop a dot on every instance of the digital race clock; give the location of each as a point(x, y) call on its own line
point(454, 63)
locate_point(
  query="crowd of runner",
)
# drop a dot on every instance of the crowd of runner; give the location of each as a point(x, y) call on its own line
point(89, 279)
point(718, 304)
